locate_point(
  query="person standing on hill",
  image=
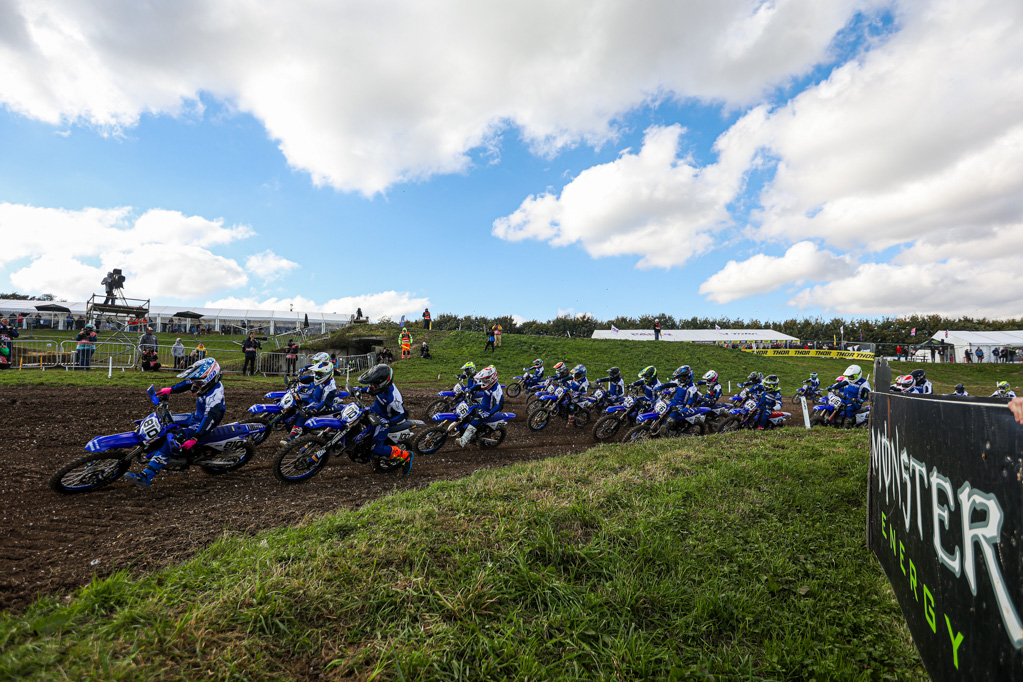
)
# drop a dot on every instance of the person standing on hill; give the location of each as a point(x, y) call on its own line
point(7, 332)
point(249, 347)
point(426, 319)
point(290, 357)
point(178, 353)
point(497, 333)
point(490, 340)
point(657, 330)
point(405, 341)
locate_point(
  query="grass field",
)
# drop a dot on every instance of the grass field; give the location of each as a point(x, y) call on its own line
point(722, 557)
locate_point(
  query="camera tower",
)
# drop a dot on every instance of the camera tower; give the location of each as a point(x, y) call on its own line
point(115, 316)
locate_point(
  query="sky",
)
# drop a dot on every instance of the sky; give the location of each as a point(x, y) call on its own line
point(748, 159)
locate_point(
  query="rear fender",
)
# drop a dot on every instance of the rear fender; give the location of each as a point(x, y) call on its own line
point(230, 432)
point(646, 416)
point(445, 416)
point(112, 442)
point(500, 416)
point(446, 394)
point(260, 408)
point(615, 408)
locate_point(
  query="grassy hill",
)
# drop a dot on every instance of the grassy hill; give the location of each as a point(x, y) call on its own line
point(728, 556)
point(451, 349)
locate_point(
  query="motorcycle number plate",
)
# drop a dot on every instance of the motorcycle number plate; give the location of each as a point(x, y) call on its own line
point(598, 394)
point(288, 400)
point(750, 404)
point(351, 412)
point(560, 392)
point(661, 407)
point(629, 401)
point(835, 401)
point(458, 388)
point(150, 428)
point(462, 409)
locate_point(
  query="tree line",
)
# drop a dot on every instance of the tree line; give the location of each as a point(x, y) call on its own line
point(883, 330)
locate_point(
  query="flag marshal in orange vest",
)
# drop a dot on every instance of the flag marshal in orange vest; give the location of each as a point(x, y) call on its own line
point(405, 341)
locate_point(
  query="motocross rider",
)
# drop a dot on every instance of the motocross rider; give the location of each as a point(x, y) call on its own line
point(812, 384)
point(769, 400)
point(533, 373)
point(685, 394)
point(920, 383)
point(648, 382)
point(316, 394)
point(1003, 390)
point(713, 393)
point(902, 384)
point(466, 378)
point(388, 409)
point(490, 396)
point(855, 390)
point(960, 391)
point(203, 379)
point(615, 384)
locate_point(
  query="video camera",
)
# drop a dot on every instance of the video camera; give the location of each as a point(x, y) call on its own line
point(116, 279)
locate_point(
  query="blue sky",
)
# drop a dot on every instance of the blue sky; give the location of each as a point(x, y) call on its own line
point(746, 159)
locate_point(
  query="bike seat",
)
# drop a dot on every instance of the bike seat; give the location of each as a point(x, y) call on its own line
point(400, 426)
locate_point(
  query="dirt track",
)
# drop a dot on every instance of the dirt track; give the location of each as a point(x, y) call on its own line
point(52, 543)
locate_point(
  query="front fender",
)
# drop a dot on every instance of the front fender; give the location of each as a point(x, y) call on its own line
point(112, 442)
point(646, 416)
point(445, 416)
point(324, 423)
point(260, 408)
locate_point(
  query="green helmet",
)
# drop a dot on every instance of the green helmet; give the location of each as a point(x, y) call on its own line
point(648, 374)
point(469, 368)
point(1002, 385)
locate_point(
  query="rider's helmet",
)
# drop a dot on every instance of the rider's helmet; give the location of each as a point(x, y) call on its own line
point(919, 376)
point(853, 372)
point(203, 374)
point(813, 375)
point(614, 373)
point(771, 382)
point(538, 363)
point(561, 369)
point(683, 374)
point(469, 368)
point(486, 377)
point(710, 376)
point(579, 372)
point(648, 374)
point(320, 357)
point(755, 377)
point(904, 382)
point(322, 372)
point(1002, 386)
point(960, 389)
point(90, 326)
point(379, 378)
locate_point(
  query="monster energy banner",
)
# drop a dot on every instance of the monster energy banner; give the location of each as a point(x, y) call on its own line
point(945, 508)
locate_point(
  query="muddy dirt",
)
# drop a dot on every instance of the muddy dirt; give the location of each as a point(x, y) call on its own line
point(53, 544)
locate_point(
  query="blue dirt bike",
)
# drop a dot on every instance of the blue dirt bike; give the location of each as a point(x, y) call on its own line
point(223, 449)
point(490, 433)
point(350, 432)
point(656, 423)
point(561, 403)
point(616, 416)
point(281, 414)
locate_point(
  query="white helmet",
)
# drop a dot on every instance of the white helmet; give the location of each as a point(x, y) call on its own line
point(322, 372)
point(320, 357)
point(853, 372)
point(710, 376)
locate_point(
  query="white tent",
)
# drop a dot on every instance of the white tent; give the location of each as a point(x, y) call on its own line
point(974, 340)
point(757, 336)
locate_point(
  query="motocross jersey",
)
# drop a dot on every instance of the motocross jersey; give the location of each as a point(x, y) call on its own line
point(813, 384)
point(389, 405)
point(578, 387)
point(614, 388)
point(684, 396)
point(713, 394)
point(1006, 394)
point(926, 388)
point(770, 400)
point(210, 408)
point(316, 398)
point(491, 399)
point(649, 390)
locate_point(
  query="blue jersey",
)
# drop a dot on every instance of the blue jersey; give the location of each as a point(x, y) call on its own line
point(210, 408)
point(491, 399)
point(389, 405)
point(317, 397)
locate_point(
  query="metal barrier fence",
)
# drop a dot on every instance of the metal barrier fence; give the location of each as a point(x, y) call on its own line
point(54, 354)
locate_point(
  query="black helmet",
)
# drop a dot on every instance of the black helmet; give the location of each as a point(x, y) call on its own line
point(648, 374)
point(614, 373)
point(919, 376)
point(755, 376)
point(960, 388)
point(378, 378)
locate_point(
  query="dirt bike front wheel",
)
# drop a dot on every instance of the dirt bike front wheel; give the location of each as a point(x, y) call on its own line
point(235, 455)
point(538, 420)
point(300, 459)
point(435, 407)
point(637, 434)
point(91, 472)
point(513, 389)
point(606, 428)
point(431, 440)
point(729, 424)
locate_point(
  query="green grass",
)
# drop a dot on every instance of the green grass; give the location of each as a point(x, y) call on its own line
point(451, 349)
point(729, 557)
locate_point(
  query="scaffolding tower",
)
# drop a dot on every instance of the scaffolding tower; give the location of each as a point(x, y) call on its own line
point(115, 319)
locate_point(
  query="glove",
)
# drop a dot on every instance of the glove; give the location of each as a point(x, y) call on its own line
point(163, 391)
point(187, 445)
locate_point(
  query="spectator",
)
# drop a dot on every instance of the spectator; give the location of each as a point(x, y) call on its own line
point(249, 347)
point(108, 285)
point(38, 321)
point(424, 352)
point(178, 353)
point(968, 355)
point(933, 352)
point(200, 352)
point(148, 341)
point(980, 354)
point(69, 322)
point(7, 333)
point(21, 321)
point(497, 333)
point(405, 340)
point(358, 313)
point(86, 345)
point(490, 340)
point(657, 330)
point(290, 357)
point(426, 319)
point(898, 352)
point(149, 361)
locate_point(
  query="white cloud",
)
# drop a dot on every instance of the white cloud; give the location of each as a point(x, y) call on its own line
point(652, 203)
point(161, 252)
point(761, 273)
point(365, 95)
point(269, 265)
point(392, 304)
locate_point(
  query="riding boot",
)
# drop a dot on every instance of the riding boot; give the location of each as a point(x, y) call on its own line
point(470, 431)
point(403, 456)
point(295, 433)
point(145, 477)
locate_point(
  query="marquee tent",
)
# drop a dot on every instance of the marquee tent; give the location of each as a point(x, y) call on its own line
point(974, 340)
point(756, 336)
